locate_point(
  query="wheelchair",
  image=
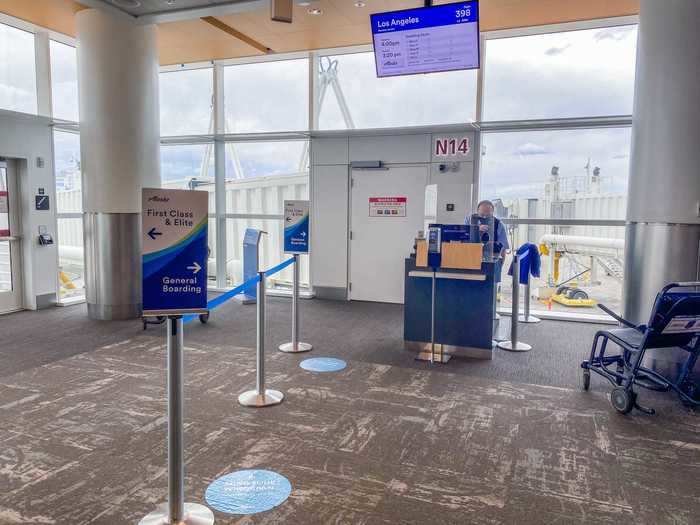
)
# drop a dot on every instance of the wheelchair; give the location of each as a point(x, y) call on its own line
point(674, 322)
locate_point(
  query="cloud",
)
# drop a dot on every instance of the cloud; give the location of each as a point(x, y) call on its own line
point(530, 148)
point(613, 33)
point(554, 51)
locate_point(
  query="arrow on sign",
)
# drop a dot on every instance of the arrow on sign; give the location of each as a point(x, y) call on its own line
point(195, 267)
point(303, 234)
point(153, 233)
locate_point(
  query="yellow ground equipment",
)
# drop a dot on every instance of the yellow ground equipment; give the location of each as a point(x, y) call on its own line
point(569, 296)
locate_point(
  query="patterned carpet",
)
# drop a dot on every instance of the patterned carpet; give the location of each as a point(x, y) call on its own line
point(83, 441)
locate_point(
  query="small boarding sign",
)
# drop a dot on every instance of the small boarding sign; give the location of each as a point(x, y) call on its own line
point(296, 227)
point(174, 251)
point(387, 206)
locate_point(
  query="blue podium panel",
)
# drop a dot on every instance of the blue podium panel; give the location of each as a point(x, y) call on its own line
point(251, 264)
point(464, 311)
point(464, 308)
point(417, 293)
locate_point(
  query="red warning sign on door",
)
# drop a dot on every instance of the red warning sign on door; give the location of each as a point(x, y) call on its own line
point(387, 206)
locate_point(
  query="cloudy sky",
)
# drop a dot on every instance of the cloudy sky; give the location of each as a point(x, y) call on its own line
point(571, 74)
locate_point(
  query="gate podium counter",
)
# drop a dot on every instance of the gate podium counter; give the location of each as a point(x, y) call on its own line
point(464, 311)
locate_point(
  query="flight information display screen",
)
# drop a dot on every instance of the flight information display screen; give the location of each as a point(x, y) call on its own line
point(426, 40)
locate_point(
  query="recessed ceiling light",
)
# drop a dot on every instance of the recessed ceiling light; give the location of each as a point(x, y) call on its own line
point(315, 11)
point(304, 4)
point(359, 3)
point(128, 4)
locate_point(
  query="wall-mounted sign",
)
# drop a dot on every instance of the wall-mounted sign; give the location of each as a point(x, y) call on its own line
point(174, 253)
point(450, 147)
point(387, 206)
point(41, 202)
point(296, 226)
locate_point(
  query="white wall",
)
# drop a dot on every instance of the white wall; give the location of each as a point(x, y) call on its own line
point(29, 137)
point(331, 156)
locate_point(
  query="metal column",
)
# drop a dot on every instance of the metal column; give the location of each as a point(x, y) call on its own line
point(176, 511)
point(260, 397)
point(295, 347)
point(526, 317)
point(514, 345)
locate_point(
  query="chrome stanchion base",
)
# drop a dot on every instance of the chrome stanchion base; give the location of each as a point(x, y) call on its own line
point(253, 399)
point(300, 347)
point(519, 346)
point(531, 320)
point(195, 514)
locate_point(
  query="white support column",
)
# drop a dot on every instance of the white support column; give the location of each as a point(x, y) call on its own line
point(220, 176)
point(42, 57)
point(120, 150)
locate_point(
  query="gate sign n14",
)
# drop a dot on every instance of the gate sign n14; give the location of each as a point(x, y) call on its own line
point(175, 251)
point(296, 227)
point(451, 146)
point(426, 40)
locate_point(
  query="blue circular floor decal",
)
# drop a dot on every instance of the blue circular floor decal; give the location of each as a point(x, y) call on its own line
point(248, 492)
point(323, 364)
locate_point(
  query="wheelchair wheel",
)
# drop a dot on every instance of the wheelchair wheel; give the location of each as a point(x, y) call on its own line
point(203, 318)
point(586, 379)
point(622, 400)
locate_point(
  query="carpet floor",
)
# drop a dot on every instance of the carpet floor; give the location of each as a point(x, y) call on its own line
point(387, 440)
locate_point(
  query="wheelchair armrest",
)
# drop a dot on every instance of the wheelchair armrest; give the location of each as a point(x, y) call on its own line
point(617, 317)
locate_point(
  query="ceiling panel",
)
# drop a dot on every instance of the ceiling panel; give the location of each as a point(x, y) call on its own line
point(151, 7)
point(341, 24)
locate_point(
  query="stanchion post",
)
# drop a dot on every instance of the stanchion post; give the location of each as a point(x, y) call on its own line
point(176, 463)
point(526, 317)
point(176, 511)
point(295, 346)
point(432, 318)
point(261, 396)
point(514, 345)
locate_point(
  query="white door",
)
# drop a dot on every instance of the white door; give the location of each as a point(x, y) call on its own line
point(387, 211)
point(10, 248)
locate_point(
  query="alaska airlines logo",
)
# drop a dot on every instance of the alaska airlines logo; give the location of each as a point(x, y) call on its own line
point(156, 198)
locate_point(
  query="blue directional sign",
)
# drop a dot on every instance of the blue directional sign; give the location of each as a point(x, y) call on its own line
point(296, 227)
point(174, 251)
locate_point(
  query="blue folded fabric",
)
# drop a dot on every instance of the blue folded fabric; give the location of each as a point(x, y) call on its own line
point(530, 262)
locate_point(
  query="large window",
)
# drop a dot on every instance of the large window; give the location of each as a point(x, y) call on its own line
point(267, 96)
point(187, 166)
point(17, 70)
point(553, 187)
point(260, 176)
point(69, 207)
point(351, 96)
point(64, 81)
point(572, 174)
point(186, 102)
point(570, 74)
